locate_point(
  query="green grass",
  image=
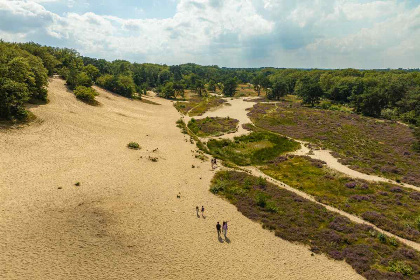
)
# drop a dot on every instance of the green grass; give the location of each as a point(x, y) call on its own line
point(212, 126)
point(368, 145)
point(254, 148)
point(200, 145)
point(389, 207)
point(296, 219)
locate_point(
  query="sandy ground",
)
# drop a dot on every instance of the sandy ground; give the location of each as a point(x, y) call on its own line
point(124, 220)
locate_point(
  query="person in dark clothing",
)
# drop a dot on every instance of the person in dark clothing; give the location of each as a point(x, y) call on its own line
point(218, 227)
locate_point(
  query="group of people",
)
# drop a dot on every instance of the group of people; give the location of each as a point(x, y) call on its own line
point(223, 227)
point(202, 211)
point(220, 228)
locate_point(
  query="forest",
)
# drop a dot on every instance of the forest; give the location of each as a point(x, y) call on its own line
point(25, 67)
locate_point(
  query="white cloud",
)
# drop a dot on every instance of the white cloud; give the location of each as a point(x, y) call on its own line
point(302, 33)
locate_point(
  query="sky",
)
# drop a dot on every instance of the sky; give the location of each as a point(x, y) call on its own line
point(360, 34)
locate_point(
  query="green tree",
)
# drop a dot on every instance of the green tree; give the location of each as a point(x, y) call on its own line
point(230, 87)
point(278, 89)
point(91, 71)
point(179, 89)
point(199, 87)
point(125, 86)
point(13, 95)
point(309, 90)
point(211, 86)
point(370, 103)
point(260, 82)
point(168, 90)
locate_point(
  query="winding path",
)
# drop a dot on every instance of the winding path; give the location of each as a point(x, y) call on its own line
point(239, 109)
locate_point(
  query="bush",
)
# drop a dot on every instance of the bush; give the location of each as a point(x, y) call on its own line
point(400, 267)
point(382, 237)
point(418, 222)
point(12, 98)
point(133, 145)
point(86, 94)
point(261, 199)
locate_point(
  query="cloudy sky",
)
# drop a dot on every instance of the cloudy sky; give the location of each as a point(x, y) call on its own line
point(232, 33)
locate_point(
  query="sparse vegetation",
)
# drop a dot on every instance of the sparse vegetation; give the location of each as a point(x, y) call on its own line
point(133, 145)
point(197, 106)
point(296, 219)
point(389, 207)
point(212, 126)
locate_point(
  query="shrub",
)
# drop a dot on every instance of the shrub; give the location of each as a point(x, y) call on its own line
point(261, 199)
point(418, 222)
point(86, 94)
point(133, 145)
point(382, 237)
point(400, 267)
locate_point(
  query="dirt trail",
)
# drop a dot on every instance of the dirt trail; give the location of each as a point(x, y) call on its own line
point(333, 163)
point(124, 220)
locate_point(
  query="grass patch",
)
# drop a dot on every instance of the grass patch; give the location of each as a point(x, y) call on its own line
point(200, 145)
point(213, 126)
point(254, 148)
point(390, 207)
point(296, 219)
point(133, 145)
point(368, 145)
point(197, 106)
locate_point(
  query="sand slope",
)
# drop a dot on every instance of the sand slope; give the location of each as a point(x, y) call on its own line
point(124, 221)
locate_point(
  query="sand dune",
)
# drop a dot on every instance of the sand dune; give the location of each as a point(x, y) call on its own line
point(124, 220)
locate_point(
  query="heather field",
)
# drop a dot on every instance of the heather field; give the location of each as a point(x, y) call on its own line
point(197, 106)
point(212, 126)
point(254, 148)
point(293, 218)
point(390, 207)
point(368, 145)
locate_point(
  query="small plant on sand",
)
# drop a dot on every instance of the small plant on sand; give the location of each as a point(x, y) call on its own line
point(133, 145)
point(153, 159)
point(77, 184)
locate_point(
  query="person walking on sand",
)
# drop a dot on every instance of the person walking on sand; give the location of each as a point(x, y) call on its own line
point(218, 226)
point(225, 228)
point(196, 210)
point(202, 211)
point(212, 163)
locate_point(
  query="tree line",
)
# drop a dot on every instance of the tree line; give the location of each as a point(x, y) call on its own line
point(25, 67)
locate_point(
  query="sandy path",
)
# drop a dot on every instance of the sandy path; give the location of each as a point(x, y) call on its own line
point(124, 221)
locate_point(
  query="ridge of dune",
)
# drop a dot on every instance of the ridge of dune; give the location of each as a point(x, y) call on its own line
point(124, 220)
